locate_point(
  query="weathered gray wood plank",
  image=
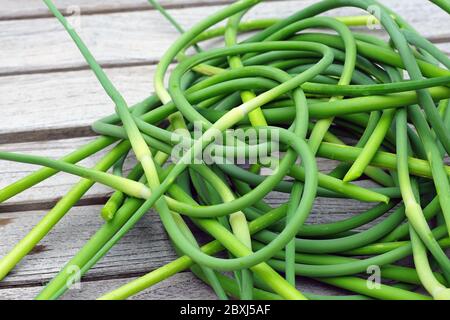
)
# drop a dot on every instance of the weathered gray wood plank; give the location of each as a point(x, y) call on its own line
point(27, 9)
point(65, 100)
point(143, 36)
point(46, 101)
point(145, 248)
point(47, 192)
point(64, 104)
point(170, 289)
point(51, 189)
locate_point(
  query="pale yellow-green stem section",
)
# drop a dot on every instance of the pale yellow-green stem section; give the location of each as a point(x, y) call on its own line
point(323, 125)
point(256, 117)
point(161, 157)
point(424, 271)
point(371, 147)
point(143, 154)
point(237, 220)
point(319, 131)
point(372, 172)
point(382, 159)
point(202, 68)
point(354, 21)
point(256, 24)
point(263, 270)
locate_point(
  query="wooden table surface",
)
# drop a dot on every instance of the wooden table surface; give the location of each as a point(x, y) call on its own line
point(49, 98)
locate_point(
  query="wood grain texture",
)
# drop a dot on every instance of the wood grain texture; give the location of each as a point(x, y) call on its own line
point(46, 193)
point(64, 104)
point(27, 9)
point(146, 247)
point(55, 104)
point(143, 249)
point(171, 289)
point(46, 94)
point(143, 36)
point(65, 100)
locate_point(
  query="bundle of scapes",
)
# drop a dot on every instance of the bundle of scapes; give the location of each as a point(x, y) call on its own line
point(381, 109)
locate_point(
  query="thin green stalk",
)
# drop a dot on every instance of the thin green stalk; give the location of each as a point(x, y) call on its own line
point(8, 262)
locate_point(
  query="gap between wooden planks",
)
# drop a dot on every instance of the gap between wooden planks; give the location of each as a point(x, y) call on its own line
point(47, 192)
point(140, 37)
point(31, 9)
point(27, 273)
point(37, 106)
point(143, 249)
